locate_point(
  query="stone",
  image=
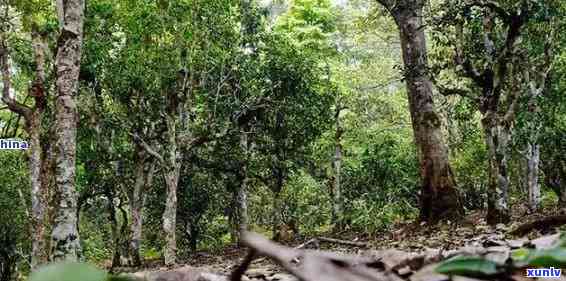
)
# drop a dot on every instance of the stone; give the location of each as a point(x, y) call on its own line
point(428, 273)
point(499, 254)
point(517, 243)
point(546, 242)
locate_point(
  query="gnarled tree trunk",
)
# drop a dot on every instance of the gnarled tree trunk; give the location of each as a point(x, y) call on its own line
point(143, 181)
point(497, 137)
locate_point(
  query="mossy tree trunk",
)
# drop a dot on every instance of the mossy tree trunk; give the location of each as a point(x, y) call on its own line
point(439, 195)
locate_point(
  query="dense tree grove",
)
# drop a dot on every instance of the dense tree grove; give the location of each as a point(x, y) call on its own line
point(160, 128)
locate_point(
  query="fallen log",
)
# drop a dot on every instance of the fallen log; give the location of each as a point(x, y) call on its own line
point(539, 224)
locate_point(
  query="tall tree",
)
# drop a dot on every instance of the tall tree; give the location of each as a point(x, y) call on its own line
point(65, 236)
point(32, 116)
point(439, 194)
point(535, 75)
point(494, 67)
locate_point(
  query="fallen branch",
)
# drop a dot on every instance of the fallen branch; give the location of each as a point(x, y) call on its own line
point(345, 242)
point(312, 241)
point(314, 265)
point(241, 269)
point(539, 224)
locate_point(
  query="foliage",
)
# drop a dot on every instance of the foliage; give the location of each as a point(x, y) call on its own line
point(522, 258)
point(468, 266)
point(68, 271)
point(13, 219)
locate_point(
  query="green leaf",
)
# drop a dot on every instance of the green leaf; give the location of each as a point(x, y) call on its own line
point(468, 266)
point(545, 258)
point(68, 271)
point(520, 255)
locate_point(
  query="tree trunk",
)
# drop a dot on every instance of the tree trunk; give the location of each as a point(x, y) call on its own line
point(337, 208)
point(276, 219)
point(531, 176)
point(32, 117)
point(144, 179)
point(497, 136)
point(136, 207)
point(39, 187)
point(65, 236)
point(48, 186)
point(554, 177)
point(113, 227)
point(38, 196)
point(241, 195)
point(439, 195)
point(170, 217)
point(172, 170)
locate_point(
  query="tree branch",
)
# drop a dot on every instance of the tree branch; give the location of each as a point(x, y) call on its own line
point(388, 4)
point(469, 70)
point(11, 102)
point(456, 92)
point(148, 148)
point(492, 5)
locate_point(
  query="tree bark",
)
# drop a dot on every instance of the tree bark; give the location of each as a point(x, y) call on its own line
point(32, 117)
point(143, 181)
point(537, 84)
point(172, 172)
point(39, 188)
point(276, 219)
point(531, 174)
point(337, 206)
point(497, 137)
point(497, 117)
point(555, 178)
point(439, 196)
point(38, 196)
point(65, 236)
point(241, 193)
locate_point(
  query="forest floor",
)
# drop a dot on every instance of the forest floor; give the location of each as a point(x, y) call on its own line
point(471, 231)
point(411, 237)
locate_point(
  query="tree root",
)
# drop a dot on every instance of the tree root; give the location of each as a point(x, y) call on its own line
point(539, 224)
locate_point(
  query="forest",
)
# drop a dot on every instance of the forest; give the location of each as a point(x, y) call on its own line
point(352, 140)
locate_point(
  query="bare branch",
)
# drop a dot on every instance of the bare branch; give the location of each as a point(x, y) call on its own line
point(381, 85)
point(148, 148)
point(456, 92)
